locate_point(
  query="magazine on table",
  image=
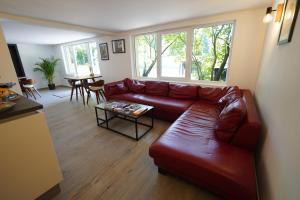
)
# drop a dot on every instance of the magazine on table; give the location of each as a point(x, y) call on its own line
point(129, 108)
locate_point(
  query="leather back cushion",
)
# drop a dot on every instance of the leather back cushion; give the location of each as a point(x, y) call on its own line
point(118, 88)
point(232, 93)
point(157, 88)
point(211, 94)
point(230, 119)
point(182, 91)
point(135, 86)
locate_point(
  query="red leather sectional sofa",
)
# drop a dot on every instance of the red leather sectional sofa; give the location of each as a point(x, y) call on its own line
point(212, 139)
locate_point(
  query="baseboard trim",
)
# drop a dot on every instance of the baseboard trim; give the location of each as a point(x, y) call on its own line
point(52, 192)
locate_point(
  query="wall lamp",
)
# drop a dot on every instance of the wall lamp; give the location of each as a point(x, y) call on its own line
point(268, 17)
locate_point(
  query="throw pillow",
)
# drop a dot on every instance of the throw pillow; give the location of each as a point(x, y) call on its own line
point(119, 88)
point(231, 95)
point(230, 119)
point(135, 85)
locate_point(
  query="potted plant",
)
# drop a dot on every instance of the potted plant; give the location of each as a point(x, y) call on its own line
point(47, 67)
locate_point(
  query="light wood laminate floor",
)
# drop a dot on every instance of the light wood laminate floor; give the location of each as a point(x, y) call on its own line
point(99, 164)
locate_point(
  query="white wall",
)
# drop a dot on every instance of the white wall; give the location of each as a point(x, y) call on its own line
point(7, 70)
point(278, 97)
point(247, 45)
point(118, 66)
point(30, 54)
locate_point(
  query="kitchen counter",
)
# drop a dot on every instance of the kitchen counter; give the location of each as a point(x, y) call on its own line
point(29, 166)
point(23, 106)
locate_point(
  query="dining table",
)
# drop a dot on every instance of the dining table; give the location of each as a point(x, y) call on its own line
point(82, 80)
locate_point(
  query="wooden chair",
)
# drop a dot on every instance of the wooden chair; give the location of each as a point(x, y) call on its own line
point(75, 86)
point(97, 88)
point(27, 86)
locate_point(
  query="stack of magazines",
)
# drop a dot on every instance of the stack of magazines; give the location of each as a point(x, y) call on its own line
point(127, 108)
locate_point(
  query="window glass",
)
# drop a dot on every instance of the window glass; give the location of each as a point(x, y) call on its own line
point(82, 59)
point(146, 55)
point(211, 52)
point(173, 54)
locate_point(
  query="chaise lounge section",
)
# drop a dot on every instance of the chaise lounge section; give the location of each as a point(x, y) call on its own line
point(212, 139)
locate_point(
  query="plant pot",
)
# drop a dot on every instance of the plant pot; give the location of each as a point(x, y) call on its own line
point(51, 86)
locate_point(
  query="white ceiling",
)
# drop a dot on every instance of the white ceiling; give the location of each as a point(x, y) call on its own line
point(122, 15)
point(16, 32)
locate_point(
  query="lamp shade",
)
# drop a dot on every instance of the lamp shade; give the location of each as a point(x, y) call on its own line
point(268, 18)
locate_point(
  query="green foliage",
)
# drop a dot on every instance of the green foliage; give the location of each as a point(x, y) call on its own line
point(81, 56)
point(47, 67)
point(209, 59)
point(175, 45)
point(147, 53)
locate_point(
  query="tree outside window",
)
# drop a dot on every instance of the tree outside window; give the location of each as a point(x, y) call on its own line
point(146, 55)
point(210, 55)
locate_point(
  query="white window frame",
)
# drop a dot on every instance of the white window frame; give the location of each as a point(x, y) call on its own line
point(189, 48)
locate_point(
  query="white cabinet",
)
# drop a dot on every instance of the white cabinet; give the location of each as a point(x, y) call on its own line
point(28, 163)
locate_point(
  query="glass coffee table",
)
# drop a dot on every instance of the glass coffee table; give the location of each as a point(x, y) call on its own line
point(128, 111)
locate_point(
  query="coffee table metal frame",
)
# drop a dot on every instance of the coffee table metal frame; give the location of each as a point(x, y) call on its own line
point(104, 123)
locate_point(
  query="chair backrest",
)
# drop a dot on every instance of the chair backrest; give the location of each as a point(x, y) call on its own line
point(28, 82)
point(98, 83)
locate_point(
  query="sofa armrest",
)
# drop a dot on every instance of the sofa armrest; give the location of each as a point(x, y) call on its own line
point(250, 129)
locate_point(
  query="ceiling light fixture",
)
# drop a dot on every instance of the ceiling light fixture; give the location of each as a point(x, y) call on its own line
point(268, 17)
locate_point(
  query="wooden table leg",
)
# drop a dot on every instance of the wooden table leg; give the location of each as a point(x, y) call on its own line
point(82, 89)
point(73, 87)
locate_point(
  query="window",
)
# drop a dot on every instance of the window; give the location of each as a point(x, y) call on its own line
point(173, 54)
point(146, 55)
point(81, 59)
point(69, 60)
point(211, 49)
point(199, 54)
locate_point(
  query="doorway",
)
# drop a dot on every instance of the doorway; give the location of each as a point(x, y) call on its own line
point(16, 59)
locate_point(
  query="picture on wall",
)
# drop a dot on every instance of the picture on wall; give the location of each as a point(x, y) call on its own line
point(118, 46)
point(289, 21)
point(104, 51)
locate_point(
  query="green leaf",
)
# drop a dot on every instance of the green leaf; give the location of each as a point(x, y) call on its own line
point(47, 67)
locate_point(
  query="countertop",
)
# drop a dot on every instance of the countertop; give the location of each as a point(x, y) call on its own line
point(23, 106)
